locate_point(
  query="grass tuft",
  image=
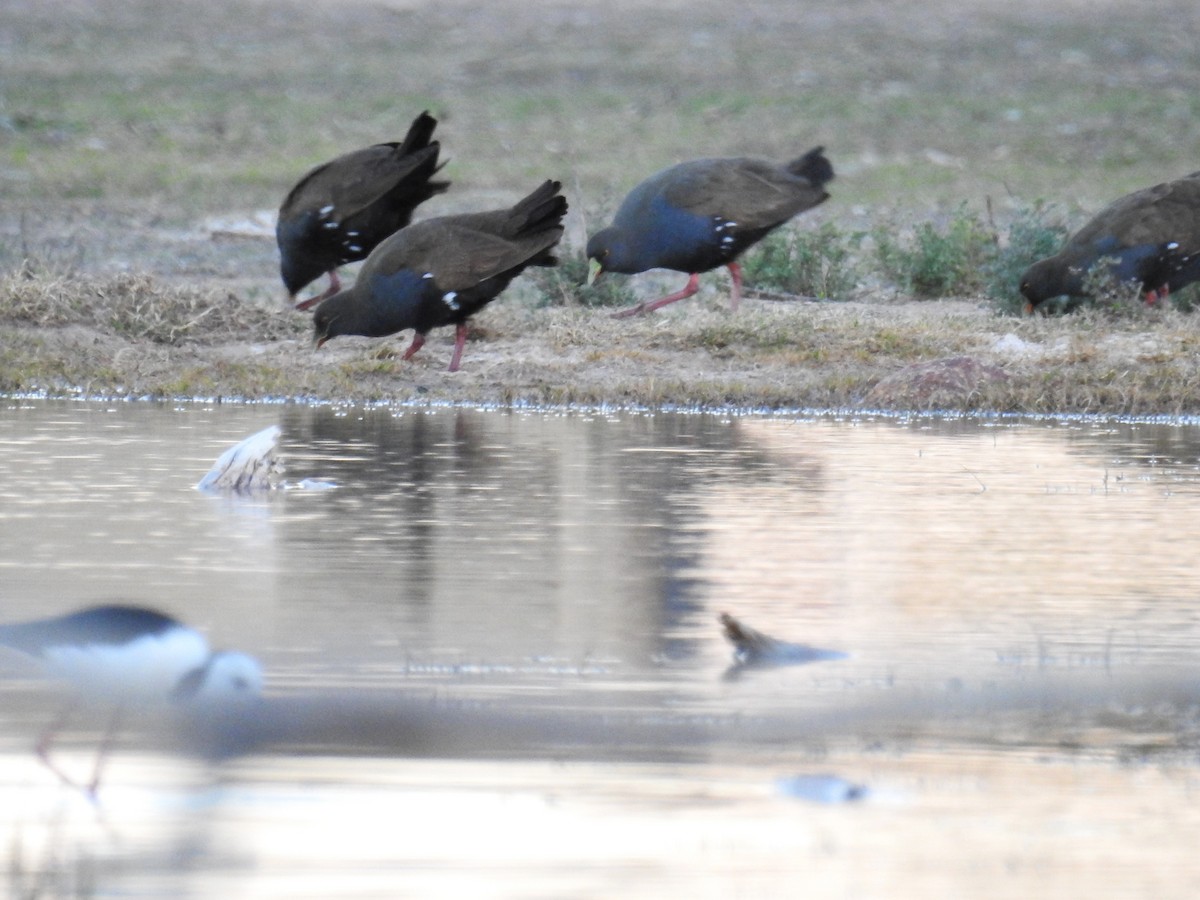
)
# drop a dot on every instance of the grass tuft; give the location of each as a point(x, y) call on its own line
point(1110, 296)
point(1034, 233)
point(820, 263)
point(936, 262)
point(140, 307)
point(566, 285)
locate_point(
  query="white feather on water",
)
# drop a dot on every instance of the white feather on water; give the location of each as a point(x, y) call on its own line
point(252, 465)
point(246, 466)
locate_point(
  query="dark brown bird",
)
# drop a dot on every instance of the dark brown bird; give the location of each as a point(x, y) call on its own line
point(442, 271)
point(1151, 236)
point(340, 211)
point(698, 215)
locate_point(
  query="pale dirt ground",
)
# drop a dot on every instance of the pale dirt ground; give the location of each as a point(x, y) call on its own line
point(963, 103)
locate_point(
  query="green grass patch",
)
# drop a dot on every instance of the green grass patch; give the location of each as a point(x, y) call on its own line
point(821, 263)
point(1033, 233)
point(566, 284)
point(933, 260)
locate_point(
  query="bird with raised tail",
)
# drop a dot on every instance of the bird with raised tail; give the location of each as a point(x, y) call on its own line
point(340, 210)
point(442, 271)
point(696, 216)
point(127, 658)
point(1151, 237)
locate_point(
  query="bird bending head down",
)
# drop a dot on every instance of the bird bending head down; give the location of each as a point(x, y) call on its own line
point(442, 271)
point(702, 214)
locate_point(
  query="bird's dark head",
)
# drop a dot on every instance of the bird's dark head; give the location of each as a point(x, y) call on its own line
point(295, 269)
point(331, 319)
point(607, 251)
point(597, 253)
point(1041, 281)
point(295, 275)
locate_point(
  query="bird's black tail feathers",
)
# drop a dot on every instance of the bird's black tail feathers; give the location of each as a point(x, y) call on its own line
point(419, 133)
point(417, 142)
point(814, 166)
point(540, 211)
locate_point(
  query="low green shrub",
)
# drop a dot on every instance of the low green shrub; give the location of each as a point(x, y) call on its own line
point(933, 261)
point(1034, 233)
point(566, 284)
point(820, 263)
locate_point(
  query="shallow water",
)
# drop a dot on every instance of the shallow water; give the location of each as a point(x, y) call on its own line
point(498, 638)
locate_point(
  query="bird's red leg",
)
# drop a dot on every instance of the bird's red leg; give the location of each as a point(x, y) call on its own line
point(690, 288)
point(102, 754)
point(47, 740)
point(735, 272)
point(418, 342)
point(1153, 297)
point(334, 287)
point(460, 340)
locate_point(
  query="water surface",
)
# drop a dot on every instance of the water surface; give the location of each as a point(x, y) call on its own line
point(1012, 596)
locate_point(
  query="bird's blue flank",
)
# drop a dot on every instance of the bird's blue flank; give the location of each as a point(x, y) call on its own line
point(296, 267)
point(397, 295)
point(395, 300)
point(1128, 261)
point(288, 230)
point(678, 236)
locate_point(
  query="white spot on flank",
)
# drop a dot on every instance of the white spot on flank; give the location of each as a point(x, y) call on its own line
point(1173, 246)
point(353, 248)
point(330, 225)
point(427, 275)
point(351, 234)
point(450, 298)
point(325, 210)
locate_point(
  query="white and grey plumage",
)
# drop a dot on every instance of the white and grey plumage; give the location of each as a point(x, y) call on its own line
point(127, 657)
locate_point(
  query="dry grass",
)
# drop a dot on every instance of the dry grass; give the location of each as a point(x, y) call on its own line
point(140, 308)
point(136, 336)
point(123, 129)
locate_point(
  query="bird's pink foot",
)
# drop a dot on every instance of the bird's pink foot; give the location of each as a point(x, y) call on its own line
point(334, 287)
point(418, 342)
point(690, 288)
point(460, 340)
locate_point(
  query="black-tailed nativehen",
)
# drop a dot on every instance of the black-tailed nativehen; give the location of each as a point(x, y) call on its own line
point(1151, 237)
point(698, 215)
point(442, 271)
point(340, 211)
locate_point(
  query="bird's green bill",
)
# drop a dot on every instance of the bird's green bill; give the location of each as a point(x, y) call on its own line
point(594, 271)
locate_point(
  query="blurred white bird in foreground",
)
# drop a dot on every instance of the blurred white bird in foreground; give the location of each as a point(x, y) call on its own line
point(124, 658)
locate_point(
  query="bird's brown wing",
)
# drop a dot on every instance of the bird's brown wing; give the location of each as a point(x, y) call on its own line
point(457, 252)
point(1164, 213)
point(355, 181)
point(753, 193)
